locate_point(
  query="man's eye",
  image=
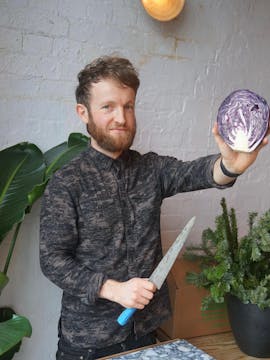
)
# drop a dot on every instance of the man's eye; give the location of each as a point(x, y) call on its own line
point(106, 107)
point(129, 107)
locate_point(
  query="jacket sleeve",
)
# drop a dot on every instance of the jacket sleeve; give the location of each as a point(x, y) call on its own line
point(58, 241)
point(182, 176)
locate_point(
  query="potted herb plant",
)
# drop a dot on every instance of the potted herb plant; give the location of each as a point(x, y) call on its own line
point(24, 174)
point(237, 271)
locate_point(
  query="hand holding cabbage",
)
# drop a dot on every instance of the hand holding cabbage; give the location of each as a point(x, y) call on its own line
point(240, 131)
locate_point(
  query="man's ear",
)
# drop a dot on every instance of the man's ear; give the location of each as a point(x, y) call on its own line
point(82, 112)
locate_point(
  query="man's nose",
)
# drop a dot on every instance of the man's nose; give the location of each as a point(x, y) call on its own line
point(120, 116)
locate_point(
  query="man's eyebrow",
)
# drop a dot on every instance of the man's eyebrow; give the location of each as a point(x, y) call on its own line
point(114, 101)
point(107, 102)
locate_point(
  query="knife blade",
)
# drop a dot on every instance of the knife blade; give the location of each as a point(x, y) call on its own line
point(161, 271)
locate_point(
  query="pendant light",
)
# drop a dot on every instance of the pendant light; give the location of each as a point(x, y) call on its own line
point(163, 10)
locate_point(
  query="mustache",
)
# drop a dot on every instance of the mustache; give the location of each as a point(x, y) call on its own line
point(117, 127)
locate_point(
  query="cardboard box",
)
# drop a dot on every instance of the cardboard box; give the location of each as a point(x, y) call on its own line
point(188, 320)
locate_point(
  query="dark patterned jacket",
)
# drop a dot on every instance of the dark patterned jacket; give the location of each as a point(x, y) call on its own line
point(100, 219)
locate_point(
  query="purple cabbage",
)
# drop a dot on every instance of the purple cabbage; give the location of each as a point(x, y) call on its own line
point(243, 119)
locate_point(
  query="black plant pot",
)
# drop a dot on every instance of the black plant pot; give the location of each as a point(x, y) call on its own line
point(250, 327)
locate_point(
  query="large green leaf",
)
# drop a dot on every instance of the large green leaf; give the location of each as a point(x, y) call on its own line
point(12, 332)
point(58, 156)
point(9, 355)
point(61, 154)
point(78, 139)
point(3, 281)
point(6, 313)
point(24, 173)
point(21, 168)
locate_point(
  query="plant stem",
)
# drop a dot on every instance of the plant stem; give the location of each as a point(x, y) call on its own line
point(11, 247)
point(234, 232)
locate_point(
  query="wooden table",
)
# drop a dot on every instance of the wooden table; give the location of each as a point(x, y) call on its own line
point(221, 347)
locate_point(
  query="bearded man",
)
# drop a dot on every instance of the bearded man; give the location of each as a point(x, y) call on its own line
point(100, 218)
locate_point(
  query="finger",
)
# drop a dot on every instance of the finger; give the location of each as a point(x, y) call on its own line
point(140, 302)
point(262, 144)
point(219, 140)
point(216, 133)
point(215, 129)
point(149, 285)
point(148, 294)
point(145, 299)
point(265, 141)
point(142, 295)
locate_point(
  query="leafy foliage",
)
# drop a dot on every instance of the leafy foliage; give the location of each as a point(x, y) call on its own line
point(22, 167)
point(24, 174)
point(231, 266)
point(12, 329)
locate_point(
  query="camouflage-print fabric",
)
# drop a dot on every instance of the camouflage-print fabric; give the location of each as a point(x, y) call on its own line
point(100, 219)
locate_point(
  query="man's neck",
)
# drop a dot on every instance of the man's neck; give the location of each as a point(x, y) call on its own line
point(113, 155)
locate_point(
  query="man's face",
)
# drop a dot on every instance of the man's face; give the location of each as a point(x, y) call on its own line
point(111, 122)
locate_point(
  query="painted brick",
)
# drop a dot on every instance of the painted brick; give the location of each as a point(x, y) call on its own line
point(35, 21)
point(187, 66)
point(10, 40)
point(69, 10)
point(48, 5)
point(36, 44)
point(66, 49)
point(12, 87)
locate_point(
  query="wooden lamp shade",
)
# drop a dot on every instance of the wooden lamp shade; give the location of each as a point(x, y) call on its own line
point(163, 10)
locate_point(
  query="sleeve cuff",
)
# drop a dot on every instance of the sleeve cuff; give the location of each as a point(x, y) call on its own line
point(96, 282)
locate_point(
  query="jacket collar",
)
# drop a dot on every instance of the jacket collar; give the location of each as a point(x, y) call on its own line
point(105, 162)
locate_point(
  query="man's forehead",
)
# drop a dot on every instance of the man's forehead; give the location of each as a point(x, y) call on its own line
point(109, 88)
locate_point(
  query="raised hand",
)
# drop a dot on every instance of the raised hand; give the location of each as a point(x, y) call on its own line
point(236, 161)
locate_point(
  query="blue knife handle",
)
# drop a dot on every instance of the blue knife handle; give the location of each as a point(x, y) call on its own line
point(125, 316)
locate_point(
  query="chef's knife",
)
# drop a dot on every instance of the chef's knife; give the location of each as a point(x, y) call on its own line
point(161, 271)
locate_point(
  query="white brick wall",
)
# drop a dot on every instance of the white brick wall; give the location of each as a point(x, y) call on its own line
point(187, 67)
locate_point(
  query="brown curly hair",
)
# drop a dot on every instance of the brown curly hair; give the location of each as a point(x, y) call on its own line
point(105, 67)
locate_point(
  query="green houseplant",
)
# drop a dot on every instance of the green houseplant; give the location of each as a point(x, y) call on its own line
point(237, 271)
point(24, 174)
